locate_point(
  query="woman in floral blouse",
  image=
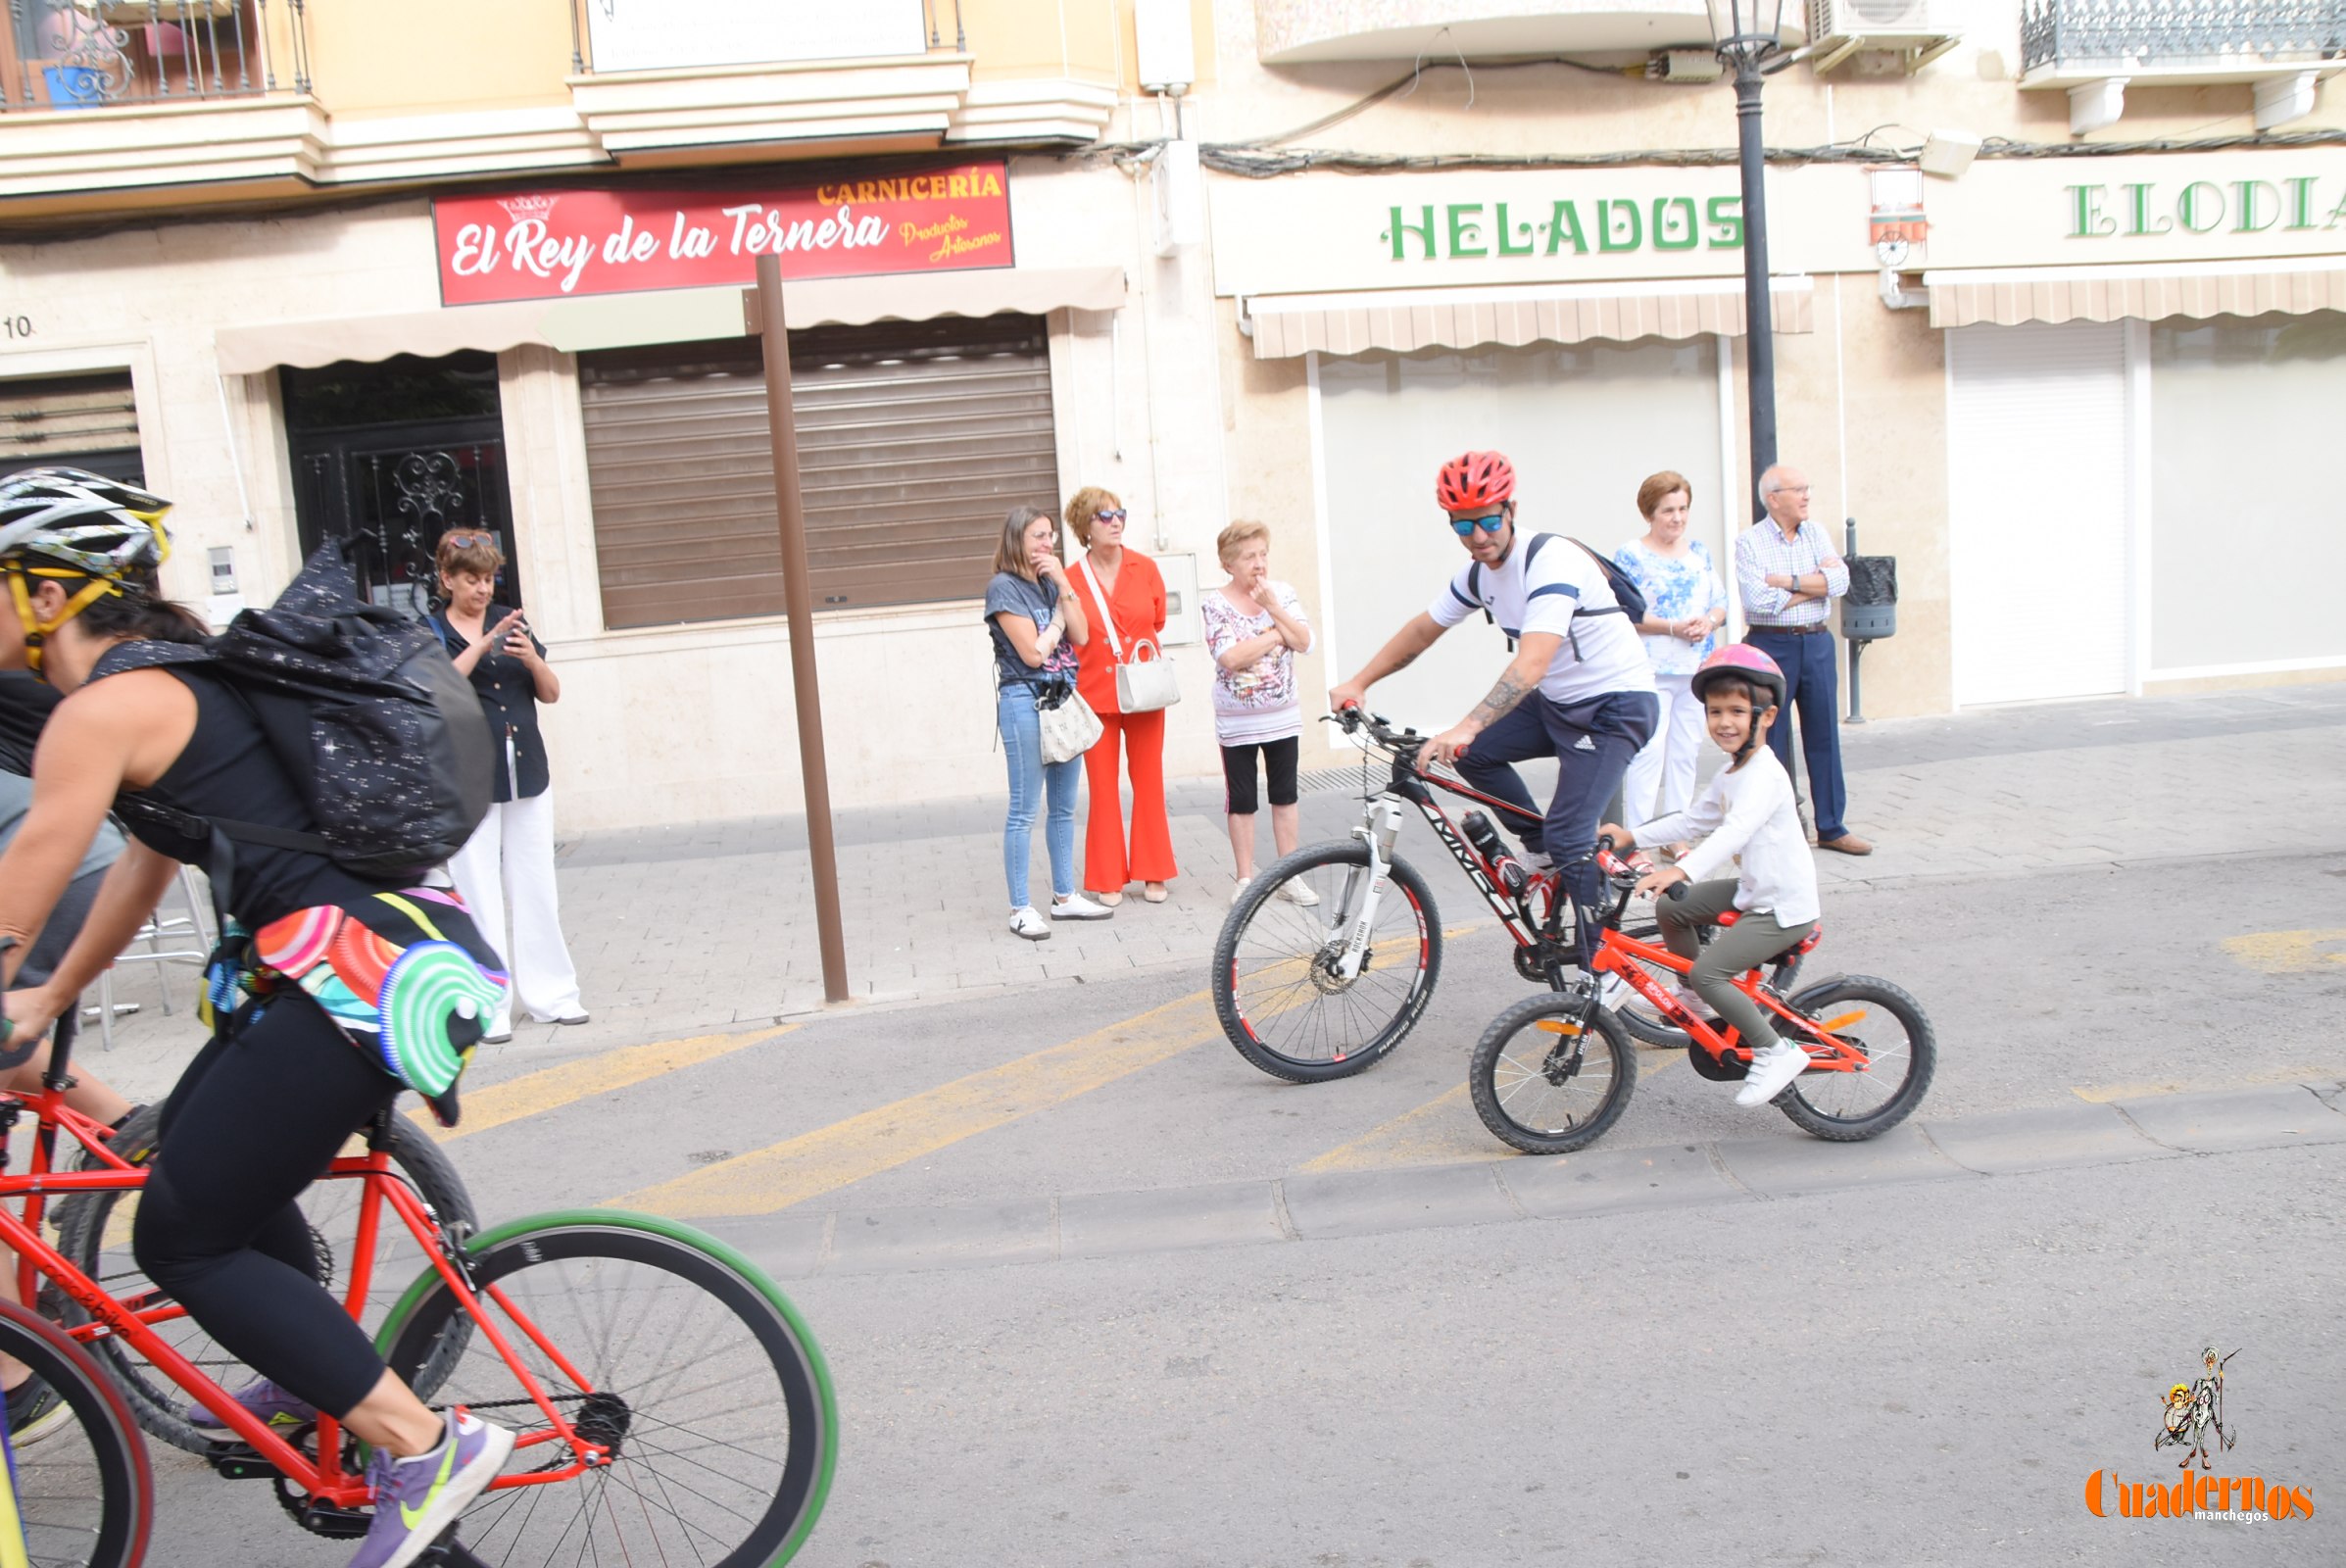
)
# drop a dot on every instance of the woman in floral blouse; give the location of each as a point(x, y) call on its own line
point(1686, 605)
point(1254, 629)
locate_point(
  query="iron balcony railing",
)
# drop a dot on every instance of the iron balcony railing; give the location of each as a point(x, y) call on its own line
point(2151, 32)
point(98, 54)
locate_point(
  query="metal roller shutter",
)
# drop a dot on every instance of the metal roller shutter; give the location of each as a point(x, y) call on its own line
point(76, 421)
point(2037, 505)
point(914, 440)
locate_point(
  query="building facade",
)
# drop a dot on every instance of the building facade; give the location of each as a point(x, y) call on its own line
point(312, 274)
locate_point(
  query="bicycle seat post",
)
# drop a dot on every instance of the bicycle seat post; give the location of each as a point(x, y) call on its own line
point(61, 1050)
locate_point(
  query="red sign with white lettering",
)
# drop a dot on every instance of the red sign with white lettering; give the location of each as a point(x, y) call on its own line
point(552, 244)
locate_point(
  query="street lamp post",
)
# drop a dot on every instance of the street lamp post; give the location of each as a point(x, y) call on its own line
point(1748, 36)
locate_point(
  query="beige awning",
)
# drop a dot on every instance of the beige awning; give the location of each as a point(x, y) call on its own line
point(2008, 297)
point(671, 315)
point(1399, 321)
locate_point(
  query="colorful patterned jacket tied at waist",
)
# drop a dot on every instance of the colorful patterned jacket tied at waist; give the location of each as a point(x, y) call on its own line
point(401, 973)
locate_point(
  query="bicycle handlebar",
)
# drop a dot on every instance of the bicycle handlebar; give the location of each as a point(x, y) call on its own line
point(1379, 729)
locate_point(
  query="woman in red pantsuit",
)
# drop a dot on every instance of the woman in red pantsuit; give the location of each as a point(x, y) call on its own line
point(1135, 594)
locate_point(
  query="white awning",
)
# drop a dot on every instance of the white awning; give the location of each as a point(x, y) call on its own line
point(1399, 321)
point(672, 315)
point(2010, 296)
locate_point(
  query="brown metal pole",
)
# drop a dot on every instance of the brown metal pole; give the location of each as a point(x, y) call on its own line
point(799, 600)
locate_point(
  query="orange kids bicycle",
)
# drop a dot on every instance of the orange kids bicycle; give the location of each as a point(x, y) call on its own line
point(1553, 1072)
point(672, 1404)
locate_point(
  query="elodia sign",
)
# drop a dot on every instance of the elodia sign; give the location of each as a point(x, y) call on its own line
point(548, 244)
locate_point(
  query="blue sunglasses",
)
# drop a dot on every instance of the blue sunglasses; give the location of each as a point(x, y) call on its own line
point(1464, 527)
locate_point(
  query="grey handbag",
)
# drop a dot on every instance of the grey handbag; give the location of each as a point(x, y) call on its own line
point(1069, 726)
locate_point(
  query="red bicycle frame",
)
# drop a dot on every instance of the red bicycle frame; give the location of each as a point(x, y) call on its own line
point(325, 1480)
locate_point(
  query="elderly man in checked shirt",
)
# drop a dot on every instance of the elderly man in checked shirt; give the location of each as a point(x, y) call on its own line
point(1789, 577)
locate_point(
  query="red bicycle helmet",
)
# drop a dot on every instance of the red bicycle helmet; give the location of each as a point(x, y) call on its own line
point(1744, 663)
point(1473, 480)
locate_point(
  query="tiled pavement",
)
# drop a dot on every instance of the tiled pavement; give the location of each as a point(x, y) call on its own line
point(690, 929)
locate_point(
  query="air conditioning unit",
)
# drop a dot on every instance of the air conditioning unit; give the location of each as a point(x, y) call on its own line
point(1916, 31)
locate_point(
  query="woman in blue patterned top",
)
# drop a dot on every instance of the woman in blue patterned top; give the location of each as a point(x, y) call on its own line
point(1035, 625)
point(1686, 605)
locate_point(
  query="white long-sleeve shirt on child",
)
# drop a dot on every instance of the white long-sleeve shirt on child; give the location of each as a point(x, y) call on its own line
point(1748, 811)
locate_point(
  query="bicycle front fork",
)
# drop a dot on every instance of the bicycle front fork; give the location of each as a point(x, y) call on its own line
point(1379, 828)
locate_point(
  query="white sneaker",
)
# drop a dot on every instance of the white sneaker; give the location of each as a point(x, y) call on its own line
point(1692, 1000)
point(1615, 993)
point(1029, 925)
point(1772, 1072)
point(1240, 892)
point(1299, 892)
point(1075, 907)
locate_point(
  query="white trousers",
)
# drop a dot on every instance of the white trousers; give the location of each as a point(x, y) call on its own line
point(1667, 761)
point(509, 864)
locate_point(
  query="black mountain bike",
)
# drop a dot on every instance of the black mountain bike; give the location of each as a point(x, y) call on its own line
point(1310, 991)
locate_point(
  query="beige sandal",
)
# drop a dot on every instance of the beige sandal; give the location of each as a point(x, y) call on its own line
point(1155, 893)
point(1111, 900)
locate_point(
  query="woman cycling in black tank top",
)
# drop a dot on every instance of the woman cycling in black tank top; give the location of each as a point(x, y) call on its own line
point(321, 1030)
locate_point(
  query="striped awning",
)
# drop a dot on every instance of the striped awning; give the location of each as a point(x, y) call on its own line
point(2008, 297)
point(1399, 321)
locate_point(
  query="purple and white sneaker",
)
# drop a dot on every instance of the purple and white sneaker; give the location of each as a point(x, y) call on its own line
point(270, 1405)
point(417, 1499)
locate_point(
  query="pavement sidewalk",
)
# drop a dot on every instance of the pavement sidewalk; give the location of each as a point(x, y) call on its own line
point(687, 930)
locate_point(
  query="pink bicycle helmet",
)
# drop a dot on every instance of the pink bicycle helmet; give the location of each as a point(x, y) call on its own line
point(1473, 480)
point(1745, 663)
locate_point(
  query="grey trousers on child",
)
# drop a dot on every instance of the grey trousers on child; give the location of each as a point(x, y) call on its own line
point(1752, 939)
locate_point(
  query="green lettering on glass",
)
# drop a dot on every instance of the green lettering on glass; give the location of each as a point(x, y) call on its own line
point(2088, 221)
point(1465, 231)
point(2191, 207)
point(1725, 218)
point(2139, 210)
point(2337, 214)
point(1424, 232)
point(2245, 191)
point(1506, 228)
point(1564, 223)
point(1605, 226)
point(2300, 201)
point(1663, 230)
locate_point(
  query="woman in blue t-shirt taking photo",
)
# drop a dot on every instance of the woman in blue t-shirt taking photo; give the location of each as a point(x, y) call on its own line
point(1035, 625)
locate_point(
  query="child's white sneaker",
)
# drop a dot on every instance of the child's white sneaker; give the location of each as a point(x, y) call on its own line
point(1772, 1072)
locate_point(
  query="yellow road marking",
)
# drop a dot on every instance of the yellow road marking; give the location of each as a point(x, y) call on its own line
point(2103, 1093)
point(767, 1180)
point(2287, 951)
point(553, 1088)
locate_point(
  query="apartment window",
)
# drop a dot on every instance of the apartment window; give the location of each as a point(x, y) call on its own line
point(916, 438)
point(71, 422)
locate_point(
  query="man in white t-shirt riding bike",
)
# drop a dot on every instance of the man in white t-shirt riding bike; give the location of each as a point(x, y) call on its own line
point(1579, 689)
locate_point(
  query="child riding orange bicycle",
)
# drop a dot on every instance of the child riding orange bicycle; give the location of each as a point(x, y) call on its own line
point(1748, 817)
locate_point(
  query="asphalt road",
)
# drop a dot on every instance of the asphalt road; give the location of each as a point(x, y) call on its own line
point(1903, 1373)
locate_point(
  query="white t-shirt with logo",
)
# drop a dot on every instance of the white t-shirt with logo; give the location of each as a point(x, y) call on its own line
point(1563, 583)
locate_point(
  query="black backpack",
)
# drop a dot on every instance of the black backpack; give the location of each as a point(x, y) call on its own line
point(1630, 597)
point(384, 739)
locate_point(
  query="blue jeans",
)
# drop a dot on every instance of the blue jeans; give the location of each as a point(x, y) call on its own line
point(1593, 743)
point(1032, 782)
point(1812, 689)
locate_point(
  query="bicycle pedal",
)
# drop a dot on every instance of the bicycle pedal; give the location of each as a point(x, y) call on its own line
point(450, 1552)
point(239, 1461)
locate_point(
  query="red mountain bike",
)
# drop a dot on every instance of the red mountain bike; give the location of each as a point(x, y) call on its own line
point(1309, 992)
point(672, 1404)
point(1552, 1073)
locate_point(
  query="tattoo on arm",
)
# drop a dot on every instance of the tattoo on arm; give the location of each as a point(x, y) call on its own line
point(1509, 691)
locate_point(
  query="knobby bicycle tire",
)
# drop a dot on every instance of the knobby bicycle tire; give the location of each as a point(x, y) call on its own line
point(85, 1494)
point(692, 1354)
point(1825, 1104)
point(98, 1243)
point(1275, 994)
point(1524, 1107)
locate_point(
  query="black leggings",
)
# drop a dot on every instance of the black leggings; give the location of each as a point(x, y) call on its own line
point(256, 1118)
point(1238, 774)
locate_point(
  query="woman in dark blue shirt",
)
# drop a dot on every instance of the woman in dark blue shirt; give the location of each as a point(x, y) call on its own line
point(510, 860)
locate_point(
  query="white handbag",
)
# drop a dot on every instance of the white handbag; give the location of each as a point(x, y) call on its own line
point(1068, 725)
point(1142, 685)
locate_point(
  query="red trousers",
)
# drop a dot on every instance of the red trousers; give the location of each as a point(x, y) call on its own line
point(1108, 863)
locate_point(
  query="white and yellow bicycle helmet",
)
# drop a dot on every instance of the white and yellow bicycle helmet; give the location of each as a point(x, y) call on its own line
point(73, 524)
